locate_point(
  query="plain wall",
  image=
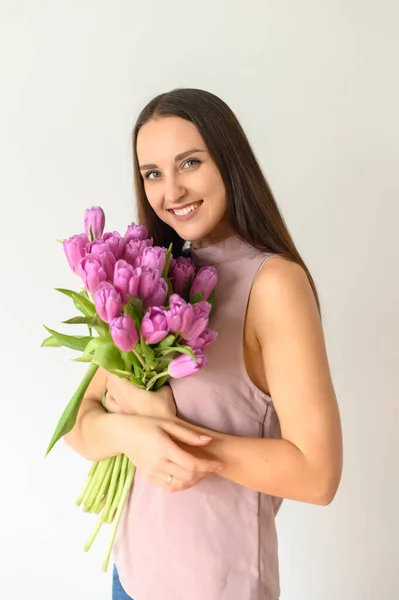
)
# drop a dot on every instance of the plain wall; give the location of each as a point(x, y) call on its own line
point(315, 86)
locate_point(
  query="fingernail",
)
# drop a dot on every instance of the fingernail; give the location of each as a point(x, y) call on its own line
point(205, 437)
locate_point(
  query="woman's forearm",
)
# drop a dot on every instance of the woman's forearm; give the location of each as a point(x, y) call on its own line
point(98, 434)
point(271, 466)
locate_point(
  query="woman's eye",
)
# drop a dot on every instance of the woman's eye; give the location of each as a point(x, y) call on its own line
point(147, 175)
point(192, 160)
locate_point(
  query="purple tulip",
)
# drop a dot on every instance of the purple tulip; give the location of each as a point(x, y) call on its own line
point(133, 249)
point(204, 281)
point(154, 326)
point(101, 251)
point(136, 232)
point(152, 258)
point(199, 322)
point(108, 302)
point(180, 314)
point(126, 280)
point(115, 243)
point(183, 366)
point(124, 333)
point(158, 296)
point(94, 222)
point(75, 250)
point(149, 278)
point(204, 340)
point(180, 271)
point(92, 272)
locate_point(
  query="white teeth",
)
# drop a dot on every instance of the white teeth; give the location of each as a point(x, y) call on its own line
point(185, 211)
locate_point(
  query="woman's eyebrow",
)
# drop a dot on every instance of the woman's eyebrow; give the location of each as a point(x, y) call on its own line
point(177, 157)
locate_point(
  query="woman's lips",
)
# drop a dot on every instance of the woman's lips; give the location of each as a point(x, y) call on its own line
point(190, 214)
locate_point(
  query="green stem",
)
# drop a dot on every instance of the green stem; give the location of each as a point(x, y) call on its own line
point(93, 535)
point(103, 487)
point(125, 493)
point(118, 494)
point(139, 358)
point(101, 473)
point(88, 482)
point(111, 490)
point(153, 380)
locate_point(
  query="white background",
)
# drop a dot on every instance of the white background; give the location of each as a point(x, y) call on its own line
point(315, 86)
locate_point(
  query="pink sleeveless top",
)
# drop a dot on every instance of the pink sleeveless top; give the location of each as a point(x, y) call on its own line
point(216, 540)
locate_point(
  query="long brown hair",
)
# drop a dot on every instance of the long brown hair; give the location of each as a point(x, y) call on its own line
point(251, 208)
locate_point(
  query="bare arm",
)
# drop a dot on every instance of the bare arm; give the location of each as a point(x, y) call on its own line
point(306, 464)
point(97, 434)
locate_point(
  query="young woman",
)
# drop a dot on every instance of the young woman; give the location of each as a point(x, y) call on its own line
point(260, 423)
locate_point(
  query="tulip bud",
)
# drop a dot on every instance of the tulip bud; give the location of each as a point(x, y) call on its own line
point(136, 232)
point(108, 302)
point(101, 251)
point(199, 322)
point(94, 222)
point(154, 326)
point(204, 281)
point(75, 250)
point(115, 243)
point(158, 296)
point(133, 249)
point(180, 315)
point(180, 271)
point(204, 340)
point(149, 279)
point(184, 365)
point(92, 272)
point(126, 280)
point(124, 333)
point(152, 258)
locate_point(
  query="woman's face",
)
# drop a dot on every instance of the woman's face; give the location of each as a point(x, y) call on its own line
point(181, 181)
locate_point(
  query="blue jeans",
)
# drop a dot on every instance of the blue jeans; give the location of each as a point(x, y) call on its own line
point(118, 593)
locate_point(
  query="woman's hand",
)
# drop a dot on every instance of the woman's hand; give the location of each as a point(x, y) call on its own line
point(151, 447)
point(123, 397)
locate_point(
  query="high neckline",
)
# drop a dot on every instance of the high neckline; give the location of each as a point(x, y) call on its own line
point(219, 252)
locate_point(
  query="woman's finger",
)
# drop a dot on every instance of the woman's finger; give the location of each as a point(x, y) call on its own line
point(187, 478)
point(188, 462)
point(184, 434)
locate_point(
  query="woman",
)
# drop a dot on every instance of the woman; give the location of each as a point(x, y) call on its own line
point(260, 423)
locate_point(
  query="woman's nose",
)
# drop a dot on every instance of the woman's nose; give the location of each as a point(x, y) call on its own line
point(174, 191)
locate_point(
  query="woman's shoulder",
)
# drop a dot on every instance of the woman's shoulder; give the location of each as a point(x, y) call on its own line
point(279, 285)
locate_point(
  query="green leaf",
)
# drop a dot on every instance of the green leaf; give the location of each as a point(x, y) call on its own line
point(51, 342)
point(166, 342)
point(182, 349)
point(95, 342)
point(121, 373)
point(75, 342)
point(161, 381)
point(108, 357)
point(147, 352)
point(138, 371)
point(85, 358)
point(68, 417)
point(129, 310)
point(186, 291)
point(170, 290)
point(129, 376)
point(84, 305)
point(197, 298)
point(167, 262)
point(137, 306)
point(90, 321)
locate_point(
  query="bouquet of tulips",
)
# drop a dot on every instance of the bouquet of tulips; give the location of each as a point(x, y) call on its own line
point(147, 315)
